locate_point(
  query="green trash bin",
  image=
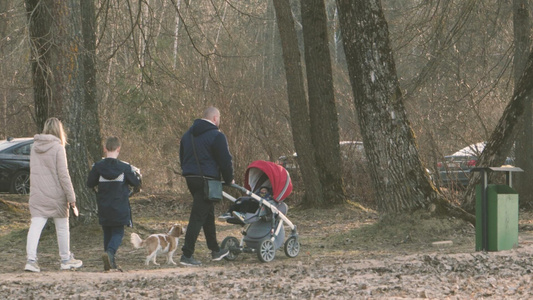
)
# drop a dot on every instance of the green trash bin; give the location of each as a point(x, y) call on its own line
point(502, 220)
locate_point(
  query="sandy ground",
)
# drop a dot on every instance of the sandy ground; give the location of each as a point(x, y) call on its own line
point(326, 268)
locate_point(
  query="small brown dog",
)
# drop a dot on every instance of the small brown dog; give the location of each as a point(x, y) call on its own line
point(159, 243)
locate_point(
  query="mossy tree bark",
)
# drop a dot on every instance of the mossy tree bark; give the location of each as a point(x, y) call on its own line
point(60, 85)
point(400, 180)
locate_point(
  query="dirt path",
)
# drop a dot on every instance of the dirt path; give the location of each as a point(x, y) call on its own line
point(340, 259)
point(456, 276)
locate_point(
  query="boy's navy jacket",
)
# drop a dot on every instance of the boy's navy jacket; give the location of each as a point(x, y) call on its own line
point(211, 148)
point(113, 177)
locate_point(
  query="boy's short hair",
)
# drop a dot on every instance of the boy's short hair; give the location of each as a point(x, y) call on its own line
point(112, 143)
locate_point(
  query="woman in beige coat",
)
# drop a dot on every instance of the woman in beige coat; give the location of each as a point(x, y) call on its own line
point(51, 193)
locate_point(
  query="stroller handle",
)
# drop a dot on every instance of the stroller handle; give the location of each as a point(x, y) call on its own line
point(236, 186)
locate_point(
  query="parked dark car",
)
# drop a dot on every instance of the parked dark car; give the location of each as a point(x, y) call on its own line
point(454, 171)
point(15, 165)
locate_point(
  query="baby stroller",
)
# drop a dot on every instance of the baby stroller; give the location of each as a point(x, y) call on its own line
point(263, 231)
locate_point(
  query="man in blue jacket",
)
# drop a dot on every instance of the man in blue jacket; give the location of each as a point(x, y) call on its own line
point(214, 159)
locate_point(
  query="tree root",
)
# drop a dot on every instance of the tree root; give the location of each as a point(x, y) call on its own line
point(447, 208)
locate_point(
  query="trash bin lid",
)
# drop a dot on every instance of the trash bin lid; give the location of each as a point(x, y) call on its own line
point(500, 169)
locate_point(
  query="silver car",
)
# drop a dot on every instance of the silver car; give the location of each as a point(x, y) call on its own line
point(454, 171)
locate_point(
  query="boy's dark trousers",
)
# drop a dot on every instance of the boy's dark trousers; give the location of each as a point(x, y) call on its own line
point(202, 216)
point(113, 236)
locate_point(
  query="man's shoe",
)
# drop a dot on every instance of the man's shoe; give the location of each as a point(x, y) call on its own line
point(225, 216)
point(32, 266)
point(72, 263)
point(239, 216)
point(189, 261)
point(107, 262)
point(220, 254)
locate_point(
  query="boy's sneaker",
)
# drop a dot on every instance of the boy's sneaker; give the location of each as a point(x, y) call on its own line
point(189, 261)
point(32, 266)
point(107, 261)
point(220, 254)
point(72, 263)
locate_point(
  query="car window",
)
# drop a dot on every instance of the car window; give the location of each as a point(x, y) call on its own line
point(24, 150)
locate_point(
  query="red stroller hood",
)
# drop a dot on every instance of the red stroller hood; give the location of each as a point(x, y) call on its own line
point(279, 178)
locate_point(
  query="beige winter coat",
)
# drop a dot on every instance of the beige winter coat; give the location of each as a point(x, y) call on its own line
point(50, 184)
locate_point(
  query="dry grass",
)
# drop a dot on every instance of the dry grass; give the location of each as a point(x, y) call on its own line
point(346, 230)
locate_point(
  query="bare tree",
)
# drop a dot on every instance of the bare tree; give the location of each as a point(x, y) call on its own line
point(503, 136)
point(454, 63)
point(298, 104)
point(91, 119)
point(400, 180)
point(322, 108)
point(59, 85)
point(453, 58)
point(40, 29)
point(524, 143)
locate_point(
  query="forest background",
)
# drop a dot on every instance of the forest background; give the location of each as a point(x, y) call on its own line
point(159, 63)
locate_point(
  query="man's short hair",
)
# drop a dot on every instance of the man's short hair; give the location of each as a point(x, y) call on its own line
point(210, 112)
point(112, 143)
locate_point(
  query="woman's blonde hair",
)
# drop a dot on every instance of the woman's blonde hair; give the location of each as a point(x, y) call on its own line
point(55, 127)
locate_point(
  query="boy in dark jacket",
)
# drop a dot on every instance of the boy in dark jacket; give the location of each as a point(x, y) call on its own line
point(112, 177)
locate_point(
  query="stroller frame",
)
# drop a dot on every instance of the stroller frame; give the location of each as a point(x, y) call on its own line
point(266, 248)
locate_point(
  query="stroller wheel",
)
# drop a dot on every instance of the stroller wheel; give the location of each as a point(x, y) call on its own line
point(266, 251)
point(292, 247)
point(232, 244)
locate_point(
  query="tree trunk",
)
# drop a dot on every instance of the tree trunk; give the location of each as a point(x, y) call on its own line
point(40, 26)
point(524, 143)
point(322, 108)
point(5, 8)
point(502, 138)
point(91, 120)
point(59, 85)
point(400, 180)
point(71, 88)
point(297, 104)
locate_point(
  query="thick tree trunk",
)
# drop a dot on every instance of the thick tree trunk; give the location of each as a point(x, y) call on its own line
point(297, 104)
point(59, 86)
point(322, 108)
point(400, 180)
point(69, 70)
point(524, 142)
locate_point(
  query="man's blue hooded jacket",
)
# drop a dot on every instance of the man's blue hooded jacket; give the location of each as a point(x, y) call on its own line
point(212, 151)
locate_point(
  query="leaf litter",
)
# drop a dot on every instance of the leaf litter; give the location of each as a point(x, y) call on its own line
point(346, 253)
